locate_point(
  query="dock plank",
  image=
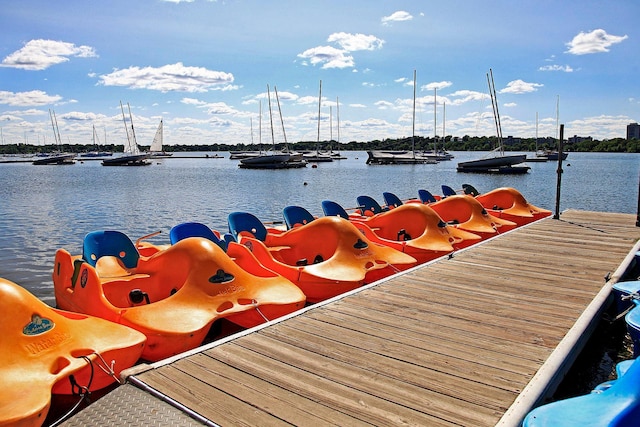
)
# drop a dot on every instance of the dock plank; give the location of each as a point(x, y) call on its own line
point(453, 342)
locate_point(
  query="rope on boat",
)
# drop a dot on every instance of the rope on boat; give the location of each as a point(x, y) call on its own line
point(632, 296)
point(108, 369)
point(83, 392)
point(255, 305)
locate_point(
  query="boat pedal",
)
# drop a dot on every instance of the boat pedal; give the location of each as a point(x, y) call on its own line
point(302, 262)
point(318, 259)
point(137, 296)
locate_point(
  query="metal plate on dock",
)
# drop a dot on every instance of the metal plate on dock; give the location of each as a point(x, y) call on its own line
point(128, 405)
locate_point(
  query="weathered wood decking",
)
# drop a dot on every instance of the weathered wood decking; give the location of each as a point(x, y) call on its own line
point(452, 343)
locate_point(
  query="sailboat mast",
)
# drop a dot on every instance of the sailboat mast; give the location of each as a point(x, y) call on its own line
point(444, 112)
point(319, 104)
point(338, 118)
point(496, 113)
point(435, 121)
point(273, 139)
point(284, 133)
point(413, 118)
point(126, 129)
point(134, 145)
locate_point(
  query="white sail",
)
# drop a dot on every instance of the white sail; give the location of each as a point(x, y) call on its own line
point(156, 145)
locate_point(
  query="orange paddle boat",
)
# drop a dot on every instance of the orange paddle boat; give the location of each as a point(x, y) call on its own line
point(510, 204)
point(47, 350)
point(468, 214)
point(412, 228)
point(326, 257)
point(172, 296)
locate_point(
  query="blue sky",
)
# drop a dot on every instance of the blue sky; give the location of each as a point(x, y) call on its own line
point(203, 67)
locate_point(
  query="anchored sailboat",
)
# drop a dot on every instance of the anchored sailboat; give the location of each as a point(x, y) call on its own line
point(132, 155)
point(57, 158)
point(388, 157)
point(499, 163)
point(156, 149)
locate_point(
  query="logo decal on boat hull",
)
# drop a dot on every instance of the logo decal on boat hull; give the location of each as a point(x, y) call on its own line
point(38, 325)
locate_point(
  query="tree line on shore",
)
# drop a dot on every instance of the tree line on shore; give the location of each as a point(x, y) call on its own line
point(466, 143)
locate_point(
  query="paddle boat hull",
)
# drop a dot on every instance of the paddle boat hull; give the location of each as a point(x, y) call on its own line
point(415, 229)
point(615, 405)
point(173, 296)
point(466, 213)
point(326, 257)
point(43, 347)
point(508, 203)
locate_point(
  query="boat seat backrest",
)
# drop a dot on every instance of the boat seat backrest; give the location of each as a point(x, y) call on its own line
point(194, 229)
point(296, 215)
point(368, 203)
point(391, 200)
point(109, 243)
point(448, 191)
point(470, 190)
point(425, 196)
point(331, 208)
point(244, 221)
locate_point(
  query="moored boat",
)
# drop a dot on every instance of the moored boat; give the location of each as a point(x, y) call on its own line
point(49, 351)
point(412, 228)
point(468, 214)
point(510, 204)
point(131, 155)
point(173, 296)
point(325, 258)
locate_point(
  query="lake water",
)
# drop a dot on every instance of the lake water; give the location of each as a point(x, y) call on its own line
point(43, 208)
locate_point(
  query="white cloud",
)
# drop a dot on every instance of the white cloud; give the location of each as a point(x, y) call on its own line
point(26, 99)
point(398, 16)
point(436, 85)
point(565, 68)
point(169, 78)
point(340, 57)
point(597, 41)
point(519, 86)
point(383, 105)
point(330, 56)
point(355, 42)
point(510, 104)
point(41, 54)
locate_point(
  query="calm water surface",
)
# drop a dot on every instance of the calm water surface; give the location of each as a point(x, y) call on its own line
point(43, 208)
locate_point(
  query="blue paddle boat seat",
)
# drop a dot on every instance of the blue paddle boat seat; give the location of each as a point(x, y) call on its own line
point(616, 406)
point(391, 200)
point(331, 208)
point(296, 215)
point(244, 221)
point(448, 191)
point(194, 229)
point(109, 243)
point(425, 196)
point(369, 205)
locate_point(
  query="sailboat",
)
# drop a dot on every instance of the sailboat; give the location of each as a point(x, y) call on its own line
point(274, 159)
point(96, 144)
point(155, 149)
point(388, 157)
point(550, 154)
point(57, 158)
point(499, 163)
point(318, 156)
point(132, 155)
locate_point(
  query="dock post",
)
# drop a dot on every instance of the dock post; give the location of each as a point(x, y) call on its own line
point(559, 172)
point(638, 211)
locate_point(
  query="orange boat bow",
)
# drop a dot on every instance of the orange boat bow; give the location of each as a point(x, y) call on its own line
point(43, 346)
point(467, 213)
point(510, 204)
point(174, 296)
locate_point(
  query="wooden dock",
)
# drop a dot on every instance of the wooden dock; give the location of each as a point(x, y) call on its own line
point(472, 340)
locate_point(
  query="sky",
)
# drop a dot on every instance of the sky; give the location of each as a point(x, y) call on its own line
point(213, 70)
